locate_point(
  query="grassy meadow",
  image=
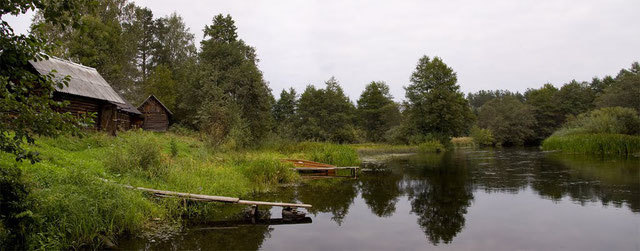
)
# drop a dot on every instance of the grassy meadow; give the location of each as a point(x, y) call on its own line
point(71, 206)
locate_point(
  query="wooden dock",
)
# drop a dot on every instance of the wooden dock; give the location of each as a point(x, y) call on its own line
point(322, 169)
point(306, 163)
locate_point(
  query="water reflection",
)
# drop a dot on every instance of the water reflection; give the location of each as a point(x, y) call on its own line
point(434, 193)
point(439, 196)
point(381, 191)
point(331, 195)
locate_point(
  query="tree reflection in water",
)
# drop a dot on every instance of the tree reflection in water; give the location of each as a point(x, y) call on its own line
point(439, 196)
point(583, 179)
point(381, 191)
point(333, 195)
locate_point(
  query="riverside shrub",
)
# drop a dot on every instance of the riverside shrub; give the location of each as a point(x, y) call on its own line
point(482, 137)
point(610, 120)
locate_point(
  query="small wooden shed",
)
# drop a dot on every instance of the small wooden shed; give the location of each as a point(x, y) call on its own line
point(157, 116)
point(88, 92)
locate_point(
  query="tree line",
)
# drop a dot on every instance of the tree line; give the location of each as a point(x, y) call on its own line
point(528, 118)
point(218, 89)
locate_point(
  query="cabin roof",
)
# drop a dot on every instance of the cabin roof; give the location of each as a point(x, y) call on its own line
point(159, 102)
point(85, 81)
point(127, 107)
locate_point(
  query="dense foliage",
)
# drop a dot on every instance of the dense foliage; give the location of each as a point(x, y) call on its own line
point(552, 107)
point(510, 121)
point(377, 113)
point(435, 106)
point(609, 120)
point(326, 114)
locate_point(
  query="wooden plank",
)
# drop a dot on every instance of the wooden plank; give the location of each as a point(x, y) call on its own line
point(188, 195)
point(202, 197)
point(276, 204)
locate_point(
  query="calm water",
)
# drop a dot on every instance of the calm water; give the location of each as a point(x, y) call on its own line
point(512, 199)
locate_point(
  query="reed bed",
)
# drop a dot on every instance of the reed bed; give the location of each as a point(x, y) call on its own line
point(600, 144)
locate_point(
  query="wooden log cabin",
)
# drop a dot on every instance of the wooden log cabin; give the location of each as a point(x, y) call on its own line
point(88, 92)
point(157, 116)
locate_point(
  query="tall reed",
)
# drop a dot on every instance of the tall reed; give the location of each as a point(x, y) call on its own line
point(601, 144)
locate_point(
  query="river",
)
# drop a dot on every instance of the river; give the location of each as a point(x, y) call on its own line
point(491, 199)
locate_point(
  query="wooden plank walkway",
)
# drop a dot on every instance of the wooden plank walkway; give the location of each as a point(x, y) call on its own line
point(212, 198)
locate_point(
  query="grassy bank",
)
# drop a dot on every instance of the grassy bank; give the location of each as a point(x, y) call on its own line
point(69, 206)
point(378, 148)
point(600, 144)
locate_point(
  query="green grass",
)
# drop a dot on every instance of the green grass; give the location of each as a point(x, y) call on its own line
point(432, 146)
point(329, 153)
point(599, 144)
point(377, 148)
point(72, 207)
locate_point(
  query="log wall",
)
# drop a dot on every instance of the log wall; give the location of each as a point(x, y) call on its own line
point(81, 106)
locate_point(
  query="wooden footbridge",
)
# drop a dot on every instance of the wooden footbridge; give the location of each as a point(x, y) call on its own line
point(288, 208)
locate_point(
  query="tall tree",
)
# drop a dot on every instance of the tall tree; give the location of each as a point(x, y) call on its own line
point(510, 121)
point(284, 112)
point(174, 43)
point(624, 91)
point(477, 99)
point(326, 114)
point(311, 114)
point(435, 105)
point(377, 112)
point(230, 66)
point(546, 110)
point(143, 28)
point(575, 98)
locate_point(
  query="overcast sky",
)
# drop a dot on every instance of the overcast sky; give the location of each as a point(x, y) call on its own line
point(507, 44)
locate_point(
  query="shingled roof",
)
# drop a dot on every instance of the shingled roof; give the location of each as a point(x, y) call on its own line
point(85, 81)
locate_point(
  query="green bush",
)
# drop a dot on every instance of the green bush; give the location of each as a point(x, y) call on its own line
point(432, 146)
point(610, 120)
point(138, 153)
point(601, 144)
point(15, 216)
point(482, 137)
point(510, 121)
